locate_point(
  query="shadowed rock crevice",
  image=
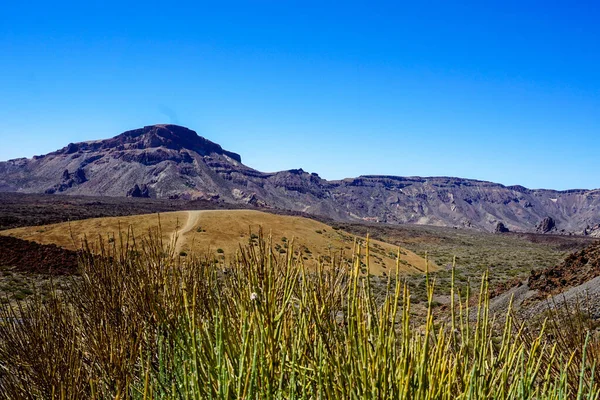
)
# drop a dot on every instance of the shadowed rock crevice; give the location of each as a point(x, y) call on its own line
point(138, 191)
point(501, 228)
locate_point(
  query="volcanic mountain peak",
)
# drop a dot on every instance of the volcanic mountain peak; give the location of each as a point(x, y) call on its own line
point(168, 136)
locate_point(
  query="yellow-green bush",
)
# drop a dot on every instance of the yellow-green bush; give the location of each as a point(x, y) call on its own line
point(143, 324)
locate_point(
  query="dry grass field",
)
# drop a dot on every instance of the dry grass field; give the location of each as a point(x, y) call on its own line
point(221, 232)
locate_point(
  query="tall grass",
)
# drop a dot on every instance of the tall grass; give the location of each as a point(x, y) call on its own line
point(142, 323)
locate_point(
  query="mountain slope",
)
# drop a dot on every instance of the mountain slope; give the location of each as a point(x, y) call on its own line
point(574, 283)
point(169, 161)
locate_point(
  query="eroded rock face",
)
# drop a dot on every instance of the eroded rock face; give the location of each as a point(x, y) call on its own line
point(546, 225)
point(171, 137)
point(68, 181)
point(79, 176)
point(501, 228)
point(138, 191)
point(169, 161)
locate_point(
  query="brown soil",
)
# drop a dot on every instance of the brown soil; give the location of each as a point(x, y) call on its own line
point(26, 256)
point(505, 286)
point(575, 270)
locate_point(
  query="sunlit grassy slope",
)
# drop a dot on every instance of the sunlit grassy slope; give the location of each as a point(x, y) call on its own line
point(222, 232)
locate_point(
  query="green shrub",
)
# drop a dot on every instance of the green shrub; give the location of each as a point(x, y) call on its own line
point(143, 325)
point(19, 295)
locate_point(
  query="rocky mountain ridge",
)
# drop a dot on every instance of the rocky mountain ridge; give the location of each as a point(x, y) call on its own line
point(170, 161)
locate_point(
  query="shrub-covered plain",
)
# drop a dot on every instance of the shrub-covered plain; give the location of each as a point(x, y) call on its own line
point(143, 323)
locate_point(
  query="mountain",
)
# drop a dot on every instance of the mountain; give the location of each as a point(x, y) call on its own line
point(170, 161)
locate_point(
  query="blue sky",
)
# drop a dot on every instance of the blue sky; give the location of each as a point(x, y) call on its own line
point(501, 91)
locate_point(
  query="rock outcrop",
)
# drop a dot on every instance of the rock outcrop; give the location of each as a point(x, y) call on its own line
point(546, 225)
point(576, 269)
point(137, 191)
point(501, 228)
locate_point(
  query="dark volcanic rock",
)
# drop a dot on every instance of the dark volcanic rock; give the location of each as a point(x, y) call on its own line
point(68, 181)
point(578, 268)
point(38, 258)
point(71, 148)
point(79, 176)
point(501, 228)
point(137, 191)
point(546, 225)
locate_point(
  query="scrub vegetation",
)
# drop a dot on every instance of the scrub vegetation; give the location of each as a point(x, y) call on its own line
point(140, 322)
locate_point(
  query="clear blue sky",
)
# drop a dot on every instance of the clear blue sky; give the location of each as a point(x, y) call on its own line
point(506, 91)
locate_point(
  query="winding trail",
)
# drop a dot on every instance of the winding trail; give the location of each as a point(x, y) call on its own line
point(192, 220)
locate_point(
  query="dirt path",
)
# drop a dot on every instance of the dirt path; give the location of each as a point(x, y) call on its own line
point(192, 220)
